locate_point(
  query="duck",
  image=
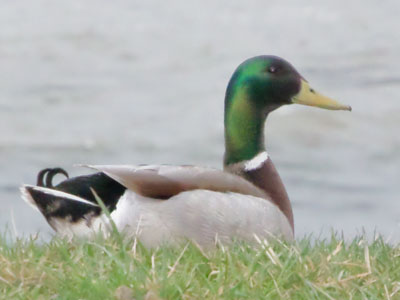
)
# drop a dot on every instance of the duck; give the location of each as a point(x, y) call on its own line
point(166, 204)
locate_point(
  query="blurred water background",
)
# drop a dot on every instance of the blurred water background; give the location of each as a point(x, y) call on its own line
point(101, 81)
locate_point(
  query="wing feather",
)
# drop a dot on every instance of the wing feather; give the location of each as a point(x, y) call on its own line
point(162, 181)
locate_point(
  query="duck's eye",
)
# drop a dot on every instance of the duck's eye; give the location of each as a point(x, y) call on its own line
point(272, 69)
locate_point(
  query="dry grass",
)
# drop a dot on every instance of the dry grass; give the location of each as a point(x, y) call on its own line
point(111, 269)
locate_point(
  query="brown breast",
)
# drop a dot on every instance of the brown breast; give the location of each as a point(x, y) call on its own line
point(266, 177)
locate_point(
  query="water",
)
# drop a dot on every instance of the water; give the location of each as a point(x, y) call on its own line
point(143, 82)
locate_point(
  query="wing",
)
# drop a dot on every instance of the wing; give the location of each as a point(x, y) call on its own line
point(163, 182)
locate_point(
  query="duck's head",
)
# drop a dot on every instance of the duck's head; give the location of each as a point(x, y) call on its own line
point(258, 86)
point(270, 82)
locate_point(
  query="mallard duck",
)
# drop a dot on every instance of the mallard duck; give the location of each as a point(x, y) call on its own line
point(165, 204)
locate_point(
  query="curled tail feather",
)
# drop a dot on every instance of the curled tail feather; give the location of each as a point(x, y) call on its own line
point(45, 176)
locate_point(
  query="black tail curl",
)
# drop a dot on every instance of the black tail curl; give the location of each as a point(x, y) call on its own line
point(45, 176)
point(106, 188)
point(56, 206)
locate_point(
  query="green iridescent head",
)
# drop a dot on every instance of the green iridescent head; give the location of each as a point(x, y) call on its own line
point(268, 80)
point(258, 86)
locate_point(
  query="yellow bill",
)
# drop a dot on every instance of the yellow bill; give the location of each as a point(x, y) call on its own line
point(307, 96)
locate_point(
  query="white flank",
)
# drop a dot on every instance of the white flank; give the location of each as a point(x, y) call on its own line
point(52, 192)
point(256, 162)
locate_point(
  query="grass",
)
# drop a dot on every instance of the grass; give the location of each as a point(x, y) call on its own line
point(111, 269)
